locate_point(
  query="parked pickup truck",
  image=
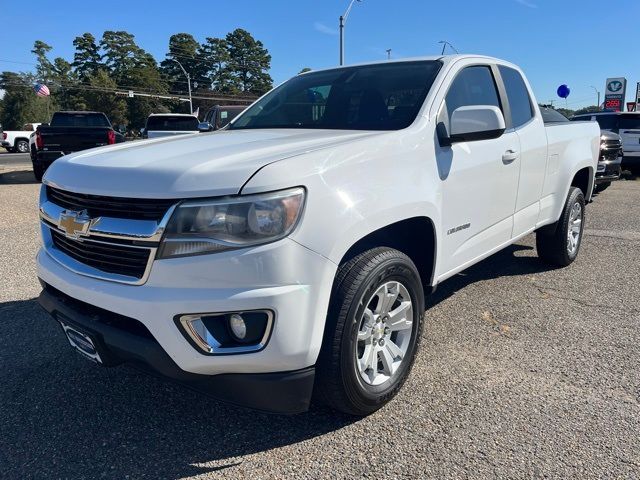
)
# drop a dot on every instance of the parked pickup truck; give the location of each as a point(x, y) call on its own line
point(17, 141)
point(168, 124)
point(70, 132)
point(289, 255)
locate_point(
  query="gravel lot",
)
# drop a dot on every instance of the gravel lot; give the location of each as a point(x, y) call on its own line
point(525, 372)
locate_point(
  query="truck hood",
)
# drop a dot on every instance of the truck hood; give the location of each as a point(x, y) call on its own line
point(186, 166)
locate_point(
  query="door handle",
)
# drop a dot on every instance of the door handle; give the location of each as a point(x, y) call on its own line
point(509, 156)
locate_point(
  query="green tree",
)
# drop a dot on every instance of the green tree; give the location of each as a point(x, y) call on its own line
point(63, 86)
point(567, 112)
point(43, 65)
point(184, 49)
point(589, 109)
point(145, 77)
point(100, 96)
point(20, 104)
point(215, 59)
point(304, 70)
point(121, 54)
point(86, 59)
point(248, 64)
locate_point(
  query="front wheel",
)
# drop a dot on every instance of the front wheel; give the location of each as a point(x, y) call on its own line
point(559, 243)
point(372, 331)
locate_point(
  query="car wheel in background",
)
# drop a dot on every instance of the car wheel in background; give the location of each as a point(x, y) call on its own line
point(372, 332)
point(559, 243)
point(22, 146)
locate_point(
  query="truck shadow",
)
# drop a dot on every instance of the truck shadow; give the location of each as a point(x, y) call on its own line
point(64, 417)
point(501, 264)
point(17, 177)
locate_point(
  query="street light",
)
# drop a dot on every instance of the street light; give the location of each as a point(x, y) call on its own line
point(388, 54)
point(598, 92)
point(188, 83)
point(444, 46)
point(343, 20)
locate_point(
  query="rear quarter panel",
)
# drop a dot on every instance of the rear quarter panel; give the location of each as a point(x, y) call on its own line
point(571, 147)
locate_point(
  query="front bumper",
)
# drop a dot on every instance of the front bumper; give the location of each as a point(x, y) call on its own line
point(284, 277)
point(608, 170)
point(124, 340)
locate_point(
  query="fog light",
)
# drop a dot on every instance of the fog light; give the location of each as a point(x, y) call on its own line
point(237, 326)
point(232, 332)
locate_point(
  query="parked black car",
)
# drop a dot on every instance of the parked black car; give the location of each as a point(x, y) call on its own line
point(71, 132)
point(610, 160)
point(220, 115)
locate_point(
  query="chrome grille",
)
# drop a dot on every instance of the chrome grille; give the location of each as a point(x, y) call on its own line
point(115, 207)
point(119, 259)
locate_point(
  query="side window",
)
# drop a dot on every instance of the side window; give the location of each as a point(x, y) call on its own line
point(473, 86)
point(517, 95)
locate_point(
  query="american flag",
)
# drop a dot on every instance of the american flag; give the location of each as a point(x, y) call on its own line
point(41, 90)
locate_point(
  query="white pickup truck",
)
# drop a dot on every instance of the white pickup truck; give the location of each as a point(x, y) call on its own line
point(288, 256)
point(17, 141)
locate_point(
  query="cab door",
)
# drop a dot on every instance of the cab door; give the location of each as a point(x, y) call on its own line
point(479, 179)
point(533, 149)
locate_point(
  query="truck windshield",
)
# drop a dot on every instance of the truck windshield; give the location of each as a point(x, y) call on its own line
point(173, 123)
point(64, 119)
point(385, 96)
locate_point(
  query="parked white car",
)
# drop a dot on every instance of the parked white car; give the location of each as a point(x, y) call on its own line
point(290, 254)
point(17, 141)
point(169, 124)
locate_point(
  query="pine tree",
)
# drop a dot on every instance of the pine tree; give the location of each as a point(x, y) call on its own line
point(249, 63)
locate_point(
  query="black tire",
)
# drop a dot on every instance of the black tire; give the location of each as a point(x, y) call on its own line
point(338, 382)
point(601, 187)
point(552, 241)
point(22, 146)
point(38, 172)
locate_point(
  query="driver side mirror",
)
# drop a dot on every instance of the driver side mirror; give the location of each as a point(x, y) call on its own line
point(205, 127)
point(471, 123)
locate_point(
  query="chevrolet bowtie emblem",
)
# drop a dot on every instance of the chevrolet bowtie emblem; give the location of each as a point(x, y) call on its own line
point(75, 224)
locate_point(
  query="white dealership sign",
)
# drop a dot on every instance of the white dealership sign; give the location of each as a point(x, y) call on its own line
point(614, 93)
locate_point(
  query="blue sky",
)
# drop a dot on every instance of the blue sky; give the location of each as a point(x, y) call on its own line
point(571, 41)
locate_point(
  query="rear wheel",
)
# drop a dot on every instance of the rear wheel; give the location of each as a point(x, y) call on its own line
point(559, 243)
point(22, 146)
point(372, 331)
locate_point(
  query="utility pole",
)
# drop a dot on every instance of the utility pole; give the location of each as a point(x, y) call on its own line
point(188, 84)
point(388, 54)
point(444, 46)
point(598, 92)
point(343, 20)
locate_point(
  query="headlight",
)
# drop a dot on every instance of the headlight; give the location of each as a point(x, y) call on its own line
point(208, 226)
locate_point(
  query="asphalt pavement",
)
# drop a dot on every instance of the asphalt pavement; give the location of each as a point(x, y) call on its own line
point(524, 372)
point(14, 159)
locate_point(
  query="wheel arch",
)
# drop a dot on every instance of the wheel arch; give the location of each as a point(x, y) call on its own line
point(584, 180)
point(415, 237)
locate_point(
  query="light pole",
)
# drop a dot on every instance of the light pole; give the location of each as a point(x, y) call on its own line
point(444, 46)
point(388, 54)
point(343, 20)
point(188, 83)
point(598, 92)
